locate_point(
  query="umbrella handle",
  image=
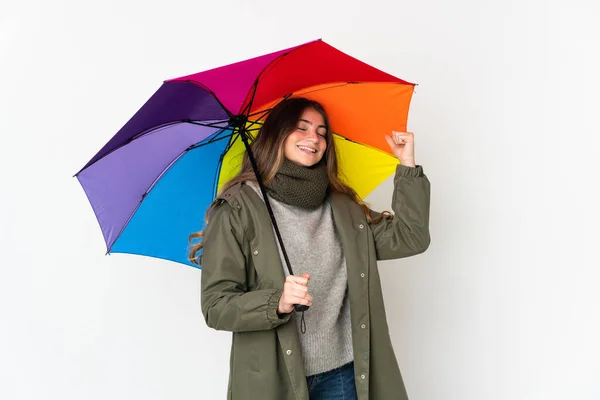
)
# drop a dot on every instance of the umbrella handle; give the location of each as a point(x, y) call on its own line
point(300, 307)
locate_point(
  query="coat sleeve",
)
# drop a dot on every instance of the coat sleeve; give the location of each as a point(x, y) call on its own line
point(407, 233)
point(226, 302)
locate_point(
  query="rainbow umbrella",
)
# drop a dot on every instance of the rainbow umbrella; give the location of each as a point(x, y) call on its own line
point(151, 184)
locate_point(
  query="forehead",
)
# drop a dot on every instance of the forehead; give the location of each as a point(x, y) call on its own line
point(313, 117)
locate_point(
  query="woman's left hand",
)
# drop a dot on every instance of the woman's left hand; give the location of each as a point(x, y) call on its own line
point(402, 145)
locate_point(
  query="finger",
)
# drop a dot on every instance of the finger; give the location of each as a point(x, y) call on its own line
point(299, 294)
point(299, 289)
point(390, 142)
point(403, 139)
point(295, 290)
point(297, 279)
point(306, 300)
point(295, 296)
point(407, 135)
point(398, 138)
point(403, 133)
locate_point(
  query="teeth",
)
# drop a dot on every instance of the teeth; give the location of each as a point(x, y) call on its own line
point(307, 148)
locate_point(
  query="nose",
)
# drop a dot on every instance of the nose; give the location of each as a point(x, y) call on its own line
point(311, 135)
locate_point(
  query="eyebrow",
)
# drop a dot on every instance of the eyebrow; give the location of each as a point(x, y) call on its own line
point(310, 123)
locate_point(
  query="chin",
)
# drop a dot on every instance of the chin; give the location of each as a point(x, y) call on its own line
point(312, 163)
point(304, 163)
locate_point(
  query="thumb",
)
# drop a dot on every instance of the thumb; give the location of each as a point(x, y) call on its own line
point(390, 142)
point(306, 275)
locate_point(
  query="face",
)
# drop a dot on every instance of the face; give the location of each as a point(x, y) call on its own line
point(307, 143)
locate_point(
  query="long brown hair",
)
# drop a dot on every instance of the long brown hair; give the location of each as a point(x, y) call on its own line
point(268, 151)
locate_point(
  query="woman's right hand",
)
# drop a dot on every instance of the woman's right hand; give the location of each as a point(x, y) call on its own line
point(295, 291)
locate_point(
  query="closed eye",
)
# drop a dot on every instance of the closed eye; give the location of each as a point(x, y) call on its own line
point(303, 129)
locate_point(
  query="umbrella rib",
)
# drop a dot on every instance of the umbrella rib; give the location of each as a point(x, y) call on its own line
point(271, 66)
point(274, 63)
point(213, 124)
point(153, 184)
point(149, 131)
point(217, 137)
point(211, 141)
point(214, 138)
point(233, 138)
point(332, 85)
point(144, 196)
point(248, 107)
point(267, 69)
point(213, 94)
point(261, 113)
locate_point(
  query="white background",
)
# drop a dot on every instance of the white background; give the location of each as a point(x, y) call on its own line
point(503, 305)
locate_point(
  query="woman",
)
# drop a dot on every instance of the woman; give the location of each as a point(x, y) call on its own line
point(333, 240)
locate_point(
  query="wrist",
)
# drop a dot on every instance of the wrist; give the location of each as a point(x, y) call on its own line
point(281, 313)
point(281, 310)
point(408, 163)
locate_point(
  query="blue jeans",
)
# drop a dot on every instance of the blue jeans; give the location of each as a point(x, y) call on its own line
point(337, 384)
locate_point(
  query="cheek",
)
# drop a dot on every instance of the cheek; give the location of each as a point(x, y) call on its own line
point(291, 139)
point(287, 142)
point(289, 145)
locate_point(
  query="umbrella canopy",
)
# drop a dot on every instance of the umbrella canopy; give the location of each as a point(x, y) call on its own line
point(151, 184)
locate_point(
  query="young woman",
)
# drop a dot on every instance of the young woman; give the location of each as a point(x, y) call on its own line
point(340, 348)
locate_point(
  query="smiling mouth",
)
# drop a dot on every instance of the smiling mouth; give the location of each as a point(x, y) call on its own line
point(307, 149)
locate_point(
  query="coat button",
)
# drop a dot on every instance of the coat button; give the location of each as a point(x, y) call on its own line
point(255, 252)
point(363, 326)
point(361, 226)
point(239, 207)
point(362, 275)
point(289, 352)
point(362, 376)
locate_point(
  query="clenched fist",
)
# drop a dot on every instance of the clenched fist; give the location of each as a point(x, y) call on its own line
point(402, 145)
point(295, 291)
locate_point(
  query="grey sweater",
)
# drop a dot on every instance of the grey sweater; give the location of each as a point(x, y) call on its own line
point(313, 246)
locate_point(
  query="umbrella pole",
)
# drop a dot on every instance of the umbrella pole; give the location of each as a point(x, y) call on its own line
point(242, 131)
